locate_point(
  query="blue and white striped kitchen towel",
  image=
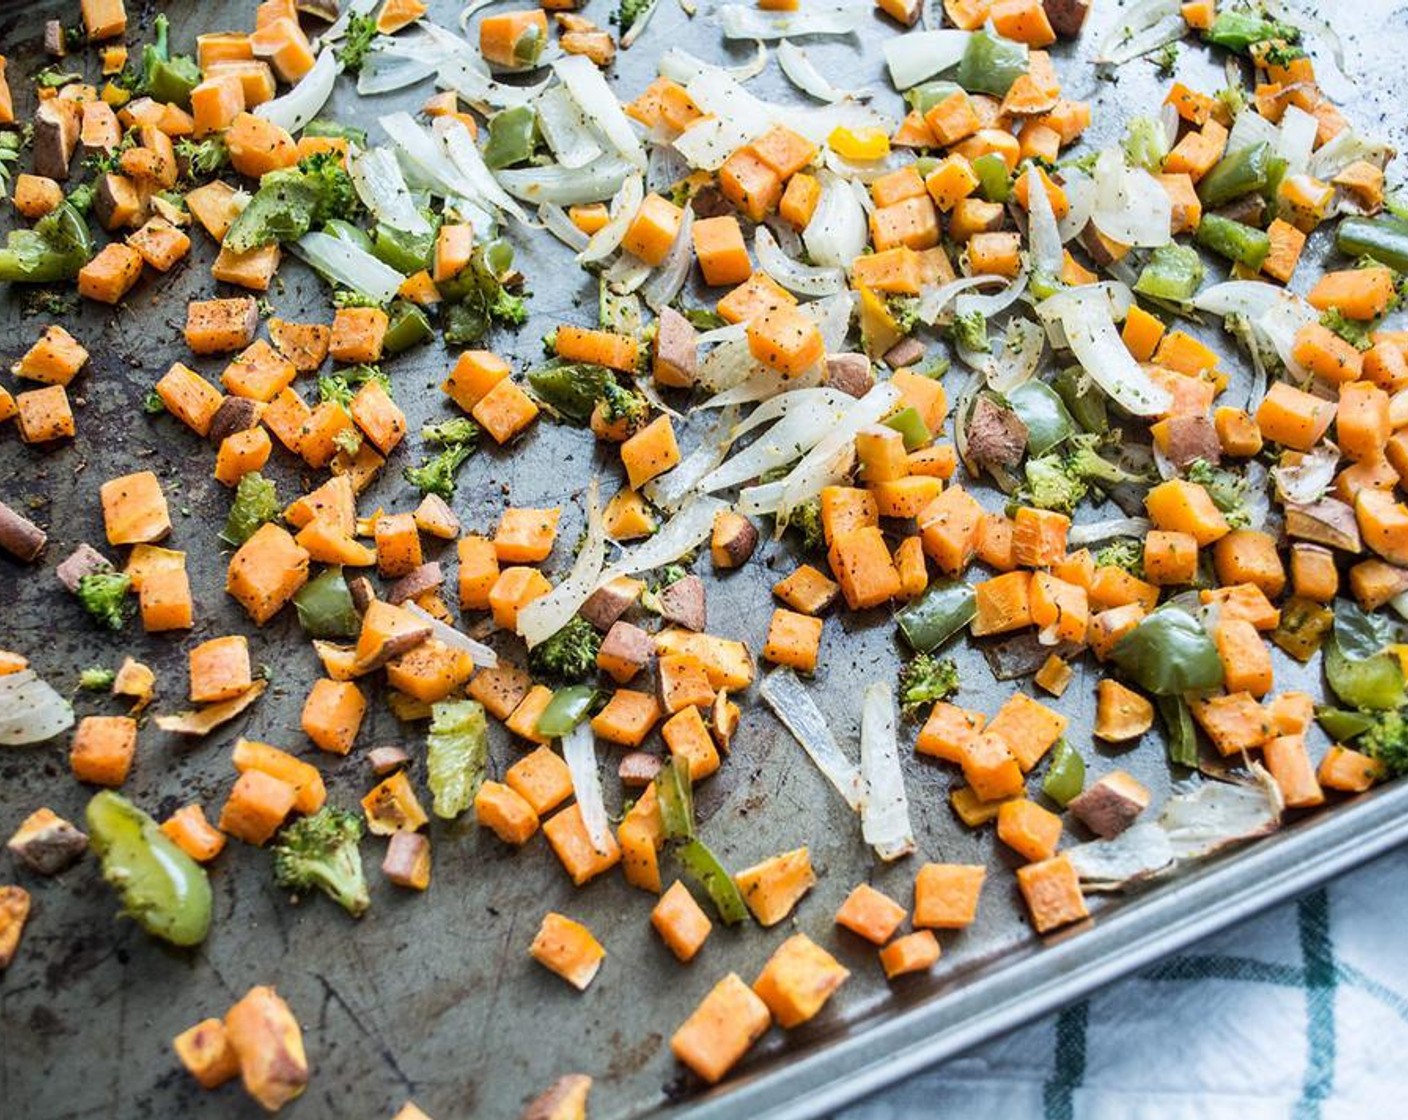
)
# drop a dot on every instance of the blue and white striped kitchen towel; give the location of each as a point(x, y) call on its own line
point(1301, 1012)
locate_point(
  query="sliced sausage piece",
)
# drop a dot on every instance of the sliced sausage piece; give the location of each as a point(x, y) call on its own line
point(851, 373)
point(1191, 438)
point(386, 759)
point(46, 843)
point(1111, 805)
point(684, 603)
point(235, 414)
point(996, 435)
point(55, 138)
point(425, 578)
point(19, 536)
point(1066, 17)
point(905, 352)
point(637, 769)
point(676, 349)
point(82, 561)
point(610, 601)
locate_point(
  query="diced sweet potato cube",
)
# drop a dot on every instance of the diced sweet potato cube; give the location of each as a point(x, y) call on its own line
point(798, 979)
point(680, 921)
point(871, 914)
point(266, 1036)
point(506, 812)
point(721, 1029)
point(103, 749)
point(542, 779)
point(946, 894)
point(1052, 892)
point(580, 857)
point(568, 949)
point(772, 888)
point(258, 804)
point(205, 1051)
point(915, 952)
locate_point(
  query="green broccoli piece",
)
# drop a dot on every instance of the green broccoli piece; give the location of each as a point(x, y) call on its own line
point(904, 310)
point(1357, 334)
point(320, 852)
point(337, 196)
point(449, 433)
point(622, 404)
point(1166, 58)
point(152, 404)
point(348, 441)
point(1125, 553)
point(11, 147)
point(346, 297)
point(165, 77)
point(1227, 489)
point(1144, 144)
point(508, 308)
point(53, 78)
point(569, 655)
point(357, 42)
point(334, 387)
point(1060, 479)
point(104, 596)
point(96, 679)
point(926, 679)
point(970, 331)
point(437, 475)
point(203, 159)
point(631, 12)
point(1386, 741)
point(256, 501)
point(806, 519)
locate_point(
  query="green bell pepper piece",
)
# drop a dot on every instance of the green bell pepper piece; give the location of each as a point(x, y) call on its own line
point(1237, 242)
point(1170, 653)
point(55, 249)
point(321, 126)
point(937, 615)
point(911, 426)
point(407, 326)
point(701, 865)
point(567, 708)
point(165, 78)
point(1041, 409)
point(1182, 734)
point(571, 389)
point(1173, 273)
point(1083, 399)
point(1383, 239)
point(1065, 777)
point(926, 95)
point(1244, 171)
point(990, 63)
point(325, 607)
point(1341, 725)
point(162, 889)
point(675, 793)
point(512, 134)
point(528, 46)
point(407, 253)
point(994, 180)
point(1239, 31)
point(1373, 683)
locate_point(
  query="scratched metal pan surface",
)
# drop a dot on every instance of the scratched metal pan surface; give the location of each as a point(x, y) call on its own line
point(433, 996)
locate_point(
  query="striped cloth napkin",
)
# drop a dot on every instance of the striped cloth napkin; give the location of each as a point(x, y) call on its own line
point(1301, 1012)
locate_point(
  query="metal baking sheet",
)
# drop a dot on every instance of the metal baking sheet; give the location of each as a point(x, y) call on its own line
point(433, 997)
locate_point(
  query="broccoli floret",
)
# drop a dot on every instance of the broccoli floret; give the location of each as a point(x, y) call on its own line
point(53, 78)
point(320, 852)
point(348, 441)
point(448, 433)
point(1386, 741)
point(650, 597)
point(508, 308)
point(152, 404)
point(256, 501)
point(346, 297)
point(337, 197)
point(104, 596)
point(622, 404)
point(206, 158)
point(11, 145)
point(1357, 334)
point(570, 654)
point(904, 310)
point(1227, 490)
point(632, 12)
point(437, 475)
point(361, 30)
point(1144, 144)
point(96, 679)
point(1124, 553)
point(971, 331)
point(926, 679)
point(1059, 479)
point(806, 519)
point(1166, 58)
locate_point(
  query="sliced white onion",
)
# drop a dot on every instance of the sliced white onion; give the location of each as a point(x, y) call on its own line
point(764, 384)
point(933, 300)
point(558, 223)
point(607, 239)
point(1130, 207)
point(679, 65)
point(1145, 27)
point(669, 279)
point(1308, 23)
point(484, 657)
point(305, 100)
point(793, 275)
point(919, 55)
point(683, 533)
point(1016, 359)
point(566, 186)
point(1080, 199)
point(817, 122)
point(1094, 532)
point(664, 167)
point(754, 66)
point(469, 78)
point(589, 89)
point(729, 332)
point(715, 91)
point(471, 9)
point(338, 28)
point(1221, 813)
point(670, 489)
point(572, 140)
point(31, 710)
point(884, 816)
point(382, 188)
point(424, 159)
point(637, 28)
point(832, 315)
point(1279, 324)
point(545, 616)
point(728, 364)
point(1251, 298)
point(1339, 152)
point(349, 265)
point(796, 433)
point(821, 466)
point(790, 702)
point(994, 304)
point(1091, 335)
point(1139, 852)
point(803, 74)
point(626, 274)
point(837, 232)
point(1311, 478)
point(392, 64)
point(1297, 138)
point(708, 142)
point(962, 410)
point(465, 156)
point(740, 22)
point(579, 752)
point(1250, 129)
point(1044, 235)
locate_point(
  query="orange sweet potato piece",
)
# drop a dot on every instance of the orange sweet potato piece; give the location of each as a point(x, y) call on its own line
point(266, 571)
point(1051, 889)
point(258, 804)
point(205, 1051)
point(721, 1029)
point(680, 921)
point(103, 749)
point(798, 979)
